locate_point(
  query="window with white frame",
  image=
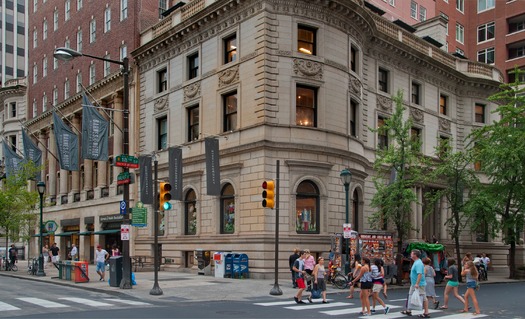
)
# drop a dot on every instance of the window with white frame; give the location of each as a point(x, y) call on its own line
point(460, 5)
point(107, 65)
point(44, 29)
point(34, 108)
point(107, 20)
point(35, 73)
point(413, 10)
point(79, 40)
point(79, 82)
point(35, 38)
point(66, 89)
point(92, 73)
point(55, 96)
point(486, 32)
point(92, 30)
point(35, 5)
point(392, 2)
point(44, 67)
point(55, 63)
point(67, 10)
point(459, 51)
point(422, 13)
point(486, 5)
point(123, 52)
point(486, 56)
point(67, 44)
point(44, 102)
point(79, 4)
point(55, 20)
point(123, 9)
point(460, 33)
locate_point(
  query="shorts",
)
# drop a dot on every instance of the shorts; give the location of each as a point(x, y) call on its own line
point(377, 288)
point(472, 284)
point(101, 266)
point(300, 283)
point(366, 285)
point(453, 283)
point(55, 259)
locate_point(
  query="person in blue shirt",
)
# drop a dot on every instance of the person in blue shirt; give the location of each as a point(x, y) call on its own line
point(417, 281)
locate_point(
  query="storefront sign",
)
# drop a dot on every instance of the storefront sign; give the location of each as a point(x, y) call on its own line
point(111, 218)
point(51, 226)
point(124, 232)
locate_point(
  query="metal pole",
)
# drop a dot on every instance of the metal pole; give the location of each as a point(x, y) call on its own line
point(347, 262)
point(156, 291)
point(125, 283)
point(40, 271)
point(276, 290)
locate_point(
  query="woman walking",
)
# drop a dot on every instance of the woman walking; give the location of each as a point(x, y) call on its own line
point(452, 284)
point(45, 255)
point(319, 282)
point(357, 268)
point(365, 279)
point(471, 273)
point(309, 264)
point(430, 289)
point(378, 280)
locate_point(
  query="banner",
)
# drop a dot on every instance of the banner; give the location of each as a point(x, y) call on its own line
point(32, 153)
point(213, 178)
point(146, 180)
point(95, 131)
point(12, 160)
point(67, 145)
point(175, 171)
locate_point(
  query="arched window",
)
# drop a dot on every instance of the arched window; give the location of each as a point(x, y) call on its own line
point(355, 210)
point(190, 213)
point(227, 209)
point(307, 208)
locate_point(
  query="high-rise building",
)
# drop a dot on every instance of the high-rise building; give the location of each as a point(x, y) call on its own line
point(13, 39)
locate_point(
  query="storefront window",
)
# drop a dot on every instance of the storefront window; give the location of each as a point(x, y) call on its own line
point(190, 212)
point(227, 210)
point(307, 208)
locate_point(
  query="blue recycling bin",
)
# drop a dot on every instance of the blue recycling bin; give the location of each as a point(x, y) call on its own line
point(228, 265)
point(240, 265)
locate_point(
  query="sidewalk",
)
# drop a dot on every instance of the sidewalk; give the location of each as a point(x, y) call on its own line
point(182, 286)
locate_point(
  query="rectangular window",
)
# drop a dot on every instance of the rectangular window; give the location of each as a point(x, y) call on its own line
point(230, 49)
point(486, 32)
point(422, 13)
point(230, 111)
point(107, 66)
point(92, 31)
point(354, 55)
point(518, 25)
point(66, 90)
point(44, 102)
point(162, 133)
point(107, 20)
point(55, 20)
point(35, 5)
point(413, 10)
point(35, 113)
point(486, 56)
point(382, 135)
point(382, 80)
point(486, 5)
point(354, 107)
point(416, 93)
point(193, 66)
point(123, 9)
point(79, 82)
point(479, 110)
point(460, 33)
point(162, 80)
point(44, 67)
point(55, 63)
point(306, 106)
point(123, 52)
point(67, 10)
point(79, 4)
point(35, 73)
point(193, 123)
point(55, 96)
point(44, 29)
point(12, 106)
point(460, 5)
point(79, 40)
point(67, 44)
point(443, 104)
point(91, 74)
point(517, 51)
point(35, 38)
point(306, 40)
point(443, 145)
point(416, 138)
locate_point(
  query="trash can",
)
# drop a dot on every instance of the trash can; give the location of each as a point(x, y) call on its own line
point(228, 265)
point(73, 267)
point(218, 259)
point(81, 272)
point(203, 261)
point(115, 271)
point(68, 270)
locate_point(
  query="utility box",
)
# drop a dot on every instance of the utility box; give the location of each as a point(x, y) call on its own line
point(115, 271)
point(203, 262)
point(220, 264)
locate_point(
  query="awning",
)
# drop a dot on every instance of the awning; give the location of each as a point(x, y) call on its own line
point(85, 233)
point(107, 231)
point(43, 235)
point(67, 233)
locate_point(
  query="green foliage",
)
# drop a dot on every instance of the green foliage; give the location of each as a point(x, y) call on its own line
point(402, 159)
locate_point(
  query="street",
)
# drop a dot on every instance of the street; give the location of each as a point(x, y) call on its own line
point(30, 299)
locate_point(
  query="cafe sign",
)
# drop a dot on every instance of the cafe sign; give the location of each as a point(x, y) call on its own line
point(111, 218)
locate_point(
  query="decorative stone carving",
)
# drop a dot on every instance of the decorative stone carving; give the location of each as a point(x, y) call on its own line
point(191, 91)
point(355, 86)
point(384, 103)
point(284, 52)
point(308, 68)
point(444, 125)
point(229, 76)
point(160, 104)
point(417, 115)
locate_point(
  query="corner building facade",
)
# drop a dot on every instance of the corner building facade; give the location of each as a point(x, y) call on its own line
point(300, 82)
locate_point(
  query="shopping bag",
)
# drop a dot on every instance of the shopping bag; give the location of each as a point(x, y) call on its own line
point(415, 302)
point(316, 292)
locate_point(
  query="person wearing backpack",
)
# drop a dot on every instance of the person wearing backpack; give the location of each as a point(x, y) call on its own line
point(298, 267)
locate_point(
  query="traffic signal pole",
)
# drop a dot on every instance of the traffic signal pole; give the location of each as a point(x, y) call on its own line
point(156, 290)
point(276, 290)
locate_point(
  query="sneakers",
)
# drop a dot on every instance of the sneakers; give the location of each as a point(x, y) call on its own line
point(296, 299)
point(373, 311)
point(387, 310)
point(324, 301)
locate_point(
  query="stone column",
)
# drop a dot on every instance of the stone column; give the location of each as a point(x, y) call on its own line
point(51, 188)
point(419, 212)
point(412, 234)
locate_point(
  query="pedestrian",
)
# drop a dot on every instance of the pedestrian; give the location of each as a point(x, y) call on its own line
point(73, 253)
point(430, 288)
point(101, 256)
point(365, 279)
point(54, 253)
point(13, 255)
point(293, 257)
point(378, 280)
point(319, 282)
point(356, 269)
point(467, 258)
point(452, 284)
point(45, 255)
point(486, 261)
point(417, 283)
point(298, 267)
point(115, 251)
point(309, 264)
point(471, 273)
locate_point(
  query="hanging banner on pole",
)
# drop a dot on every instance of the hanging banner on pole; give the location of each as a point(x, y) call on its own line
point(95, 131)
point(213, 178)
point(175, 171)
point(146, 184)
point(67, 145)
point(12, 160)
point(32, 153)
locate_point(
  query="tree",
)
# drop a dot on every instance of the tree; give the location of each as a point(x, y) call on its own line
point(500, 150)
point(403, 162)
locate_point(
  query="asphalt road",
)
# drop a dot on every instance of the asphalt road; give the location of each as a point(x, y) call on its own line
point(29, 299)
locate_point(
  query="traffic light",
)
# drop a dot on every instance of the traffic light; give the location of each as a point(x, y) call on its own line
point(268, 194)
point(164, 196)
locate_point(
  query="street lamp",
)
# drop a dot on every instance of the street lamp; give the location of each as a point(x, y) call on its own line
point(346, 178)
point(66, 54)
point(41, 187)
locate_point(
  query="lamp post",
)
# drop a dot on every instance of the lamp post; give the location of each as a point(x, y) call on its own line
point(41, 187)
point(346, 178)
point(66, 54)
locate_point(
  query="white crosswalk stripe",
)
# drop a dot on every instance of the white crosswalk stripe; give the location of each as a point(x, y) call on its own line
point(43, 303)
point(357, 309)
point(87, 302)
point(7, 307)
point(318, 306)
point(129, 302)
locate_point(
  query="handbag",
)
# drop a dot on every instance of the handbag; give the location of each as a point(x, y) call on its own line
point(316, 292)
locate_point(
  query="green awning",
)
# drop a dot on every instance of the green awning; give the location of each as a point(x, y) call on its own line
point(85, 233)
point(107, 231)
point(43, 235)
point(67, 233)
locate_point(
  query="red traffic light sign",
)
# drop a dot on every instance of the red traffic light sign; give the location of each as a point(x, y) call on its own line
point(268, 194)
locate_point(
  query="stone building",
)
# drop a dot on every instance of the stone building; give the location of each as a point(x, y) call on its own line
point(301, 82)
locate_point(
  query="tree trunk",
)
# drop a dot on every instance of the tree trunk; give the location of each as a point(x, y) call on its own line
point(512, 260)
point(456, 241)
point(399, 261)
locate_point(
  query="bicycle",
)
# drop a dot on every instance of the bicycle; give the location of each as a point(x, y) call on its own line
point(338, 279)
point(482, 273)
point(9, 266)
point(32, 266)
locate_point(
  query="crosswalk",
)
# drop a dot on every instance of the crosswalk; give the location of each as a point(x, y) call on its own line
point(352, 309)
point(21, 303)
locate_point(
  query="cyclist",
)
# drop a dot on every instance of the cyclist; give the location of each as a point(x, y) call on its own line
point(13, 255)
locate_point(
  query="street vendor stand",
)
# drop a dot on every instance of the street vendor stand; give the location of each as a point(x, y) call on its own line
point(436, 253)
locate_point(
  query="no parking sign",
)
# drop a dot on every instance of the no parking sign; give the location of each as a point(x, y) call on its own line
point(124, 232)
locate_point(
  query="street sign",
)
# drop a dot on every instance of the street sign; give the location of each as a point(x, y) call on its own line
point(347, 230)
point(139, 217)
point(122, 207)
point(124, 232)
point(51, 226)
point(127, 161)
point(124, 178)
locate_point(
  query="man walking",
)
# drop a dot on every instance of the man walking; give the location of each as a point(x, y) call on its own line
point(291, 260)
point(54, 253)
point(13, 255)
point(417, 282)
point(73, 253)
point(101, 256)
point(298, 268)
